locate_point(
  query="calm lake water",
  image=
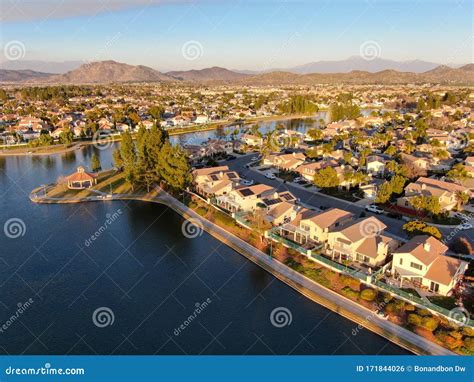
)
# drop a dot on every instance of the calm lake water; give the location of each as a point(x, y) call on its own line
point(145, 277)
point(298, 124)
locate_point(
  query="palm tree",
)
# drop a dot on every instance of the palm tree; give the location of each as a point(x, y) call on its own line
point(458, 173)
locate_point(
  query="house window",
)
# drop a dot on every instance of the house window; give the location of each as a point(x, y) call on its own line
point(416, 266)
point(434, 287)
point(401, 261)
point(362, 258)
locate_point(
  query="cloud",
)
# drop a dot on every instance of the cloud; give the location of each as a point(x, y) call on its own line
point(40, 10)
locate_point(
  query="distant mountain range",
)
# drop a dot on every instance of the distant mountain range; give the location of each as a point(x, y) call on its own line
point(41, 66)
point(115, 72)
point(441, 74)
point(209, 74)
point(356, 63)
point(334, 66)
point(21, 75)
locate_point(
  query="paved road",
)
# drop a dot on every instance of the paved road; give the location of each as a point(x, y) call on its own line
point(394, 226)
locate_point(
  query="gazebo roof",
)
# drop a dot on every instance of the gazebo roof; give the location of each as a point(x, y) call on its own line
point(81, 175)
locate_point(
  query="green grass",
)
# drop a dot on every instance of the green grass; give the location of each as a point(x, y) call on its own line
point(340, 193)
point(444, 302)
point(288, 176)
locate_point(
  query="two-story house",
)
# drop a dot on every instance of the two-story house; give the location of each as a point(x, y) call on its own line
point(246, 198)
point(361, 241)
point(311, 226)
point(445, 192)
point(308, 170)
point(375, 164)
point(423, 262)
point(214, 181)
point(285, 161)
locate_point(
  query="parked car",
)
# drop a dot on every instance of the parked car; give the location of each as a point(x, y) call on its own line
point(270, 175)
point(394, 216)
point(246, 182)
point(465, 226)
point(374, 209)
point(255, 159)
point(298, 179)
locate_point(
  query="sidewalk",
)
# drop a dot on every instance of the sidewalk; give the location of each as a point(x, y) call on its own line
point(314, 291)
point(302, 284)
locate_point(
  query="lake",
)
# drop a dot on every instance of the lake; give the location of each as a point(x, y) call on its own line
point(141, 286)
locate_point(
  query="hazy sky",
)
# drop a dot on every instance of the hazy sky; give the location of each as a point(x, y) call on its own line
point(236, 34)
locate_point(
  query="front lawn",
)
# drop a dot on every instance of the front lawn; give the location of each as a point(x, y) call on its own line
point(287, 176)
point(443, 301)
point(340, 193)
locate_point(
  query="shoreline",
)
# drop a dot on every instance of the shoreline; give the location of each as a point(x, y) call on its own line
point(348, 309)
point(56, 149)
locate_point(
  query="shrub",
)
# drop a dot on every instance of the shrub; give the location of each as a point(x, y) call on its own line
point(455, 334)
point(414, 319)
point(447, 340)
point(368, 294)
point(317, 275)
point(386, 297)
point(391, 308)
point(429, 323)
point(469, 344)
point(350, 293)
point(349, 281)
point(400, 305)
point(468, 331)
point(423, 312)
point(410, 308)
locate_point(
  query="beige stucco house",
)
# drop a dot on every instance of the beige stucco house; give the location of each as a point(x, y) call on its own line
point(423, 261)
point(214, 181)
point(444, 191)
point(361, 241)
